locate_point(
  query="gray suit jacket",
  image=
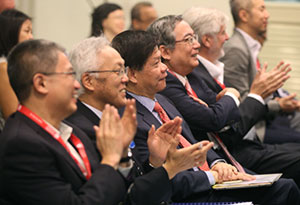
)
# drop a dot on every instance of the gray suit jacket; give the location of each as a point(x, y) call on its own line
point(240, 70)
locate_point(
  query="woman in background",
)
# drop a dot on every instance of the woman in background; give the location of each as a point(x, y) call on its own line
point(108, 20)
point(15, 27)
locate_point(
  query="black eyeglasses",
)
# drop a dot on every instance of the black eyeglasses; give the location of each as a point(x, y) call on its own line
point(71, 73)
point(190, 40)
point(120, 72)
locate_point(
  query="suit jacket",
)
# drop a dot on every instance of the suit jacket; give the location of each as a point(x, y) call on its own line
point(36, 169)
point(151, 188)
point(185, 183)
point(240, 70)
point(222, 113)
point(251, 110)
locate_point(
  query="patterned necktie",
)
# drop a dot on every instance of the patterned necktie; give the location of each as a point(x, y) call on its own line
point(183, 142)
point(220, 84)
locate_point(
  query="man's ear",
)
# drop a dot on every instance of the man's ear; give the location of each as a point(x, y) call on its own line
point(165, 52)
point(40, 83)
point(87, 82)
point(132, 75)
point(206, 41)
point(243, 15)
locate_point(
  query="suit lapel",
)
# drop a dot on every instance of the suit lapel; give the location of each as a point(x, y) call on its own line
point(85, 111)
point(59, 149)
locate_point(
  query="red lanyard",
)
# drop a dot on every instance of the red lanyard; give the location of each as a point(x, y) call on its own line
point(75, 140)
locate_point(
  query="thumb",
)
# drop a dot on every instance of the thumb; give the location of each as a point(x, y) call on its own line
point(151, 131)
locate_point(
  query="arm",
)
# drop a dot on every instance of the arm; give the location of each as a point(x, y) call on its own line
point(212, 118)
point(8, 99)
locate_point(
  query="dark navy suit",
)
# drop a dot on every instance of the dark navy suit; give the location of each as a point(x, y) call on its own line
point(151, 188)
point(194, 185)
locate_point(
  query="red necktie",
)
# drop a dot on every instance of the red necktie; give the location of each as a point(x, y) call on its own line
point(216, 137)
point(220, 84)
point(183, 142)
point(257, 64)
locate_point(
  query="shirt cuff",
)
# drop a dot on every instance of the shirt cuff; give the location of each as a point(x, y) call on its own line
point(210, 177)
point(125, 170)
point(236, 100)
point(257, 97)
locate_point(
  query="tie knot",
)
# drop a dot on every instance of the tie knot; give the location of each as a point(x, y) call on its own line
point(161, 112)
point(157, 107)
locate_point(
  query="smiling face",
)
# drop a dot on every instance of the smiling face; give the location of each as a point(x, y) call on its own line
point(258, 17)
point(183, 58)
point(63, 87)
point(109, 87)
point(152, 78)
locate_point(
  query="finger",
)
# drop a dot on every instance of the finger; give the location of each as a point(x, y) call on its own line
point(151, 132)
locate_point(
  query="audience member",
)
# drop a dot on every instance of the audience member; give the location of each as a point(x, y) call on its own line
point(107, 19)
point(146, 76)
point(211, 70)
point(142, 15)
point(101, 72)
point(6, 4)
point(179, 48)
point(16, 27)
point(241, 64)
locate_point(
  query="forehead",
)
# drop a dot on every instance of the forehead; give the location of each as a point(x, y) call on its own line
point(26, 23)
point(116, 13)
point(63, 63)
point(182, 29)
point(110, 57)
point(257, 3)
point(148, 12)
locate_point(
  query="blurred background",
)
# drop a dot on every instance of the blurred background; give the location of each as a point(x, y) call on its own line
point(68, 21)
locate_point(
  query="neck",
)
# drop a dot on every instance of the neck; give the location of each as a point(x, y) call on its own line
point(180, 71)
point(139, 91)
point(248, 30)
point(92, 102)
point(109, 36)
point(52, 117)
point(208, 56)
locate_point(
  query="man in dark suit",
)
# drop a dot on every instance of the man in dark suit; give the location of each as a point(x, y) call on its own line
point(241, 64)
point(253, 155)
point(146, 76)
point(103, 82)
point(211, 70)
point(42, 159)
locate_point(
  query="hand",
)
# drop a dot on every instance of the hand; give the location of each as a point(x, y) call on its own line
point(265, 83)
point(185, 158)
point(109, 136)
point(129, 124)
point(231, 90)
point(225, 171)
point(288, 103)
point(159, 141)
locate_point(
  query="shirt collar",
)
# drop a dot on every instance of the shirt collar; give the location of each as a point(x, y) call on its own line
point(145, 101)
point(64, 131)
point(215, 70)
point(94, 110)
point(253, 44)
point(182, 79)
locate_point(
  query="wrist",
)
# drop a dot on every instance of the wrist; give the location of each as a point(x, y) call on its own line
point(155, 162)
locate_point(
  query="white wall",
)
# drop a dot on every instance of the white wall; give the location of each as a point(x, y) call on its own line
point(68, 21)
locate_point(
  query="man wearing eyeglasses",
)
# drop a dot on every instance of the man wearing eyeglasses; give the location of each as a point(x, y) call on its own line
point(44, 160)
point(101, 72)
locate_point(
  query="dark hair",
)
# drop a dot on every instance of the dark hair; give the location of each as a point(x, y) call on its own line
point(135, 47)
point(27, 59)
point(11, 21)
point(99, 14)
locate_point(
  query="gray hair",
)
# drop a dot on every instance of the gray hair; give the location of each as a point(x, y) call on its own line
point(85, 56)
point(237, 5)
point(205, 21)
point(163, 30)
